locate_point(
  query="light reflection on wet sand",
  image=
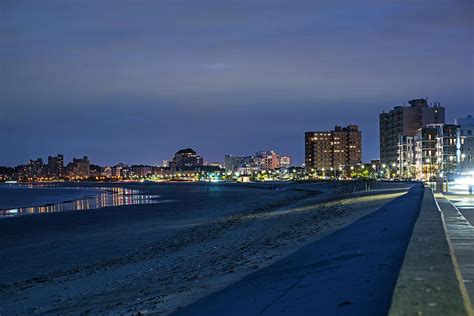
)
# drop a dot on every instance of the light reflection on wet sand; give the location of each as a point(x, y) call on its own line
point(106, 197)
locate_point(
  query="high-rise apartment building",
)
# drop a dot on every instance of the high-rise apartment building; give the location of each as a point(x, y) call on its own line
point(56, 166)
point(186, 158)
point(405, 121)
point(333, 149)
point(35, 168)
point(81, 168)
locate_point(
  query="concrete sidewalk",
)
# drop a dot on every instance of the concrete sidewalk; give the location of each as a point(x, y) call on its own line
point(429, 282)
point(461, 236)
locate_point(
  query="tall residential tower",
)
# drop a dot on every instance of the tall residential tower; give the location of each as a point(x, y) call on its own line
point(405, 121)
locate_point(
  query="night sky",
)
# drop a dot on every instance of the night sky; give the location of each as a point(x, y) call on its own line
point(134, 81)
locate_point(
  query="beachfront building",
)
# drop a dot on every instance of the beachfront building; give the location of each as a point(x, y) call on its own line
point(234, 163)
point(35, 168)
point(406, 157)
point(426, 153)
point(264, 160)
point(449, 146)
point(466, 127)
point(186, 158)
point(140, 171)
point(405, 121)
point(80, 168)
point(107, 172)
point(437, 150)
point(55, 167)
point(327, 151)
point(433, 151)
point(285, 161)
point(121, 171)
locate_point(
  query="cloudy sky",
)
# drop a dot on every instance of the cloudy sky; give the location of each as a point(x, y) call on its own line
point(134, 81)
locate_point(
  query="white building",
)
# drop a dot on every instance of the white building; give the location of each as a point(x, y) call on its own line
point(406, 156)
point(466, 126)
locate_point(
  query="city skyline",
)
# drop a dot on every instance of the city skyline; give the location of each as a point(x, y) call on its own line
point(224, 79)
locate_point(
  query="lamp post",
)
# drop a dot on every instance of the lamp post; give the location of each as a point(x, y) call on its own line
point(428, 162)
point(384, 166)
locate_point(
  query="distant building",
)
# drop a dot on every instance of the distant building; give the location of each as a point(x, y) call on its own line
point(55, 167)
point(267, 160)
point(243, 165)
point(186, 158)
point(35, 168)
point(449, 144)
point(215, 164)
point(466, 126)
point(426, 153)
point(107, 172)
point(140, 171)
point(81, 167)
point(285, 161)
point(326, 150)
point(406, 156)
point(165, 164)
point(405, 121)
point(262, 161)
point(121, 171)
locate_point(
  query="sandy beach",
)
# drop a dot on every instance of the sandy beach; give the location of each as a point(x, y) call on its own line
point(157, 259)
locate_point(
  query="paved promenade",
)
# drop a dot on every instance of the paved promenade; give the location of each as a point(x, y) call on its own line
point(350, 272)
point(461, 235)
point(430, 282)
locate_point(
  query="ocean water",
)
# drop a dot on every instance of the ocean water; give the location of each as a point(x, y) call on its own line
point(20, 199)
point(194, 199)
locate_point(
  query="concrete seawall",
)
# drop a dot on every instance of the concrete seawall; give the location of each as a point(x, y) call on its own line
point(429, 282)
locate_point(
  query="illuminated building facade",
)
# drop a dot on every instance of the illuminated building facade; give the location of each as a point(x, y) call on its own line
point(437, 150)
point(55, 168)
point(426, 153)
point(466, 126)
point(35, 168)
point(186, 158)
point(331, 150)
point(264, 160)
point(406, 156)
point(285, 161)
point(80, 168)
point(405, 121)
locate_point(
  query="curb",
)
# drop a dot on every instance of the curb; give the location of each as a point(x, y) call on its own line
point(428, 283)
point(462, 287)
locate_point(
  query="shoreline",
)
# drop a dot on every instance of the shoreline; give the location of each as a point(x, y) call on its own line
point(51, 199)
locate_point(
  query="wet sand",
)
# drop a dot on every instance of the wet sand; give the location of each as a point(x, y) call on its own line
point(155, 259)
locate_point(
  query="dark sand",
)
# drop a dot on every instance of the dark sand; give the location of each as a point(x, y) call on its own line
point(158, 258)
